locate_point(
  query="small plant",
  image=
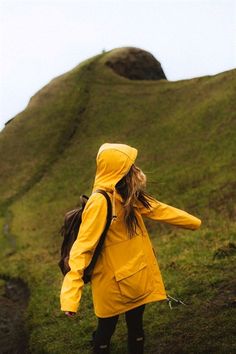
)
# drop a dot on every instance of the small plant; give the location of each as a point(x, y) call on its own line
point(225, 251)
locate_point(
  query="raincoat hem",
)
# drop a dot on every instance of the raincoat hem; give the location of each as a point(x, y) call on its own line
point(128, 308)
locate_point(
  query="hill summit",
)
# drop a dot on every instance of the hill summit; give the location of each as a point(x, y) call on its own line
point(135, 64)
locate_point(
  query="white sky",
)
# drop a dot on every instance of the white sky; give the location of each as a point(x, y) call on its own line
point(40, 40)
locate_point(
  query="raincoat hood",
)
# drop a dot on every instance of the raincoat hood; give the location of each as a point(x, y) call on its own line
point(113, 163)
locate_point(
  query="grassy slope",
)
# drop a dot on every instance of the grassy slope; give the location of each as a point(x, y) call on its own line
point(185, 135)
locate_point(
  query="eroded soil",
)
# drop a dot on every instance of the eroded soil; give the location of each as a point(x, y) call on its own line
point(14, 296)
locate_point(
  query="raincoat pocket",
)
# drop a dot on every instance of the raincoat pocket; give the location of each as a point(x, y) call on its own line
point(133, 279)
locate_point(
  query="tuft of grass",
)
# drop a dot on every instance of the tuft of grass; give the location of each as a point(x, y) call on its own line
point(225, 251)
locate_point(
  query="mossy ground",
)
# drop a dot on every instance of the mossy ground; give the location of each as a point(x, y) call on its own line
point(185, 134)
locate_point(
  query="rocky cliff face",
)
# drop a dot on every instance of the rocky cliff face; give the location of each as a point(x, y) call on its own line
point(135, 64)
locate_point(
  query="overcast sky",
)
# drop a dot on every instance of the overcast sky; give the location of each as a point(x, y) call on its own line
point(40, 40)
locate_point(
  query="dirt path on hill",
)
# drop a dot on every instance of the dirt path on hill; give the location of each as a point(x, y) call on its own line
point(14, 296)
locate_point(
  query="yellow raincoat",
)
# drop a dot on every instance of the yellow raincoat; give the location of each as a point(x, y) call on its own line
point(126, 274)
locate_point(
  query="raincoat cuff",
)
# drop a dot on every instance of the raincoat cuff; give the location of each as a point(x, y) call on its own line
point(70, 307)
point(198, 223)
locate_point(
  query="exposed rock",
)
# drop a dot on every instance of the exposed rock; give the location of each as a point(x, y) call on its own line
point(135, 64)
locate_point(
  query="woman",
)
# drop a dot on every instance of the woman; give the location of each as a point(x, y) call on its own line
point(126, 275)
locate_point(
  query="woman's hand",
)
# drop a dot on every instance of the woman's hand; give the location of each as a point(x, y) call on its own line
point(70, 314)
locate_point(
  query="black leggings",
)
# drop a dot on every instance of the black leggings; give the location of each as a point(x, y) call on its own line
point(106, 326)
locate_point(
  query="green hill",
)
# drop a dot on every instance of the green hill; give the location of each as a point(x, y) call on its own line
point(185, 134)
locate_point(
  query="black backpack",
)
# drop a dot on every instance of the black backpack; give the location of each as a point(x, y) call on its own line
point(69, 232)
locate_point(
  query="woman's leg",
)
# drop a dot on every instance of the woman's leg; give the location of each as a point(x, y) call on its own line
point(102, 336)
point(134, 320)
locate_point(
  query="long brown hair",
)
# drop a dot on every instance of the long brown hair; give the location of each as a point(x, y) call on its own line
point(132, 189)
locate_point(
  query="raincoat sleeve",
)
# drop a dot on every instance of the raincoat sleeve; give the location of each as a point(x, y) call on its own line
point(93, 223)
point(170, 215)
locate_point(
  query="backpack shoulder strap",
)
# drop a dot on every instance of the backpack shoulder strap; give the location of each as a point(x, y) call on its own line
point(109, 206)
point(89, 269)
point(109, 217)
